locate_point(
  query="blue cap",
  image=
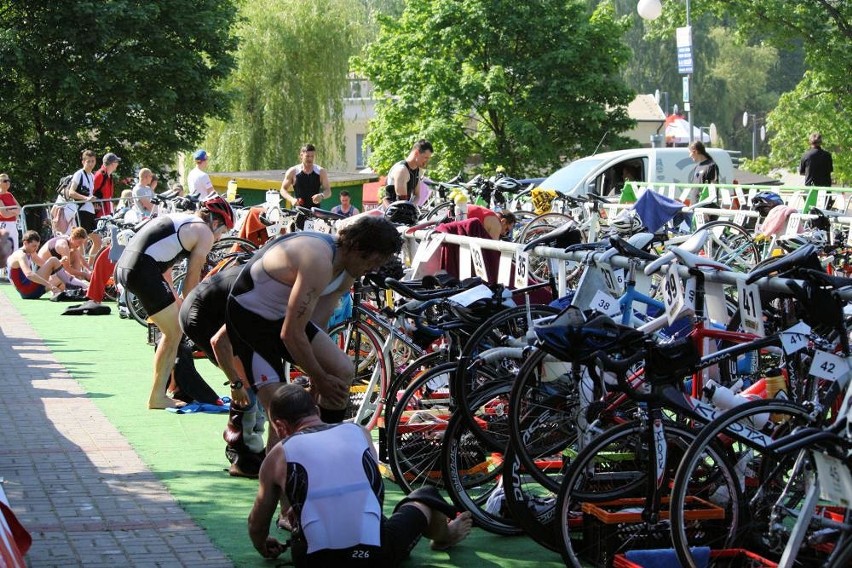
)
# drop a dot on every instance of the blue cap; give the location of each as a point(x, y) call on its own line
point(200, 155)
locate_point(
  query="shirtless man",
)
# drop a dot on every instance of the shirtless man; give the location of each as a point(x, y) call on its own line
point(280, 305)
point(69, 251)
point(334, 528)
point(32, 283)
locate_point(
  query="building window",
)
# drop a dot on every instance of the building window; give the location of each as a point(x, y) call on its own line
point(361, 153)
point(359, 88)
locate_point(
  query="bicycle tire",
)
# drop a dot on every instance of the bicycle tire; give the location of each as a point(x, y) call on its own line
point(222, 248)
point(732, 245)
point(496, 331)
point(530, 504)
point(696, 457)
point(472, 472)
point(364, 348)
point(611, 474)
point(401, 381)
point(544, 412)
point(134, 307)
point(440, 211)
point(414, 448)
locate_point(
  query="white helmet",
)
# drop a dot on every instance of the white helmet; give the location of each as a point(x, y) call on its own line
point(627, 223)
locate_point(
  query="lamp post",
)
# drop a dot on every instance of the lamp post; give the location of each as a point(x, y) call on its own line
point(651, 10)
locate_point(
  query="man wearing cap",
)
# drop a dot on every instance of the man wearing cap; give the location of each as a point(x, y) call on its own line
point(198, 182)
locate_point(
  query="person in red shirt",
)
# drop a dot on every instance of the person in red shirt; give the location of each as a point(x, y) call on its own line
point(498, 225)
point(104, 188)
point(9, 211)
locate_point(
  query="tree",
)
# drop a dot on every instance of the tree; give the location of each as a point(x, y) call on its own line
point(506, 83)
point(136, 78)
point(823, 28)
point(290, 82)
point(812, 106)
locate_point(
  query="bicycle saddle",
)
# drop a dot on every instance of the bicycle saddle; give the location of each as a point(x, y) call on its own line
point(804, 257)
point(624, 248)
point(561, 237)
point(326, 215)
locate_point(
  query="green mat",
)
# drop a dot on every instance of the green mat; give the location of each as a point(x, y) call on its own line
point(111, 359)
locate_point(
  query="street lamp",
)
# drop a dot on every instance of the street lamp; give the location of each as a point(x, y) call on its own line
point(651, 10)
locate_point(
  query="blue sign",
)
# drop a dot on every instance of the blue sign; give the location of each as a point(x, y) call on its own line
point(684, 60)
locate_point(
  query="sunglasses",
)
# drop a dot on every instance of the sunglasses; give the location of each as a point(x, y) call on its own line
point(5, 181)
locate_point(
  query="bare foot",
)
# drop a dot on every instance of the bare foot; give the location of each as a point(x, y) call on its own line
point(162, 403)
point(457, 531)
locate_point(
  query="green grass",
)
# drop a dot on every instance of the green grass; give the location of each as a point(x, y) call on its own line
point(111, 359)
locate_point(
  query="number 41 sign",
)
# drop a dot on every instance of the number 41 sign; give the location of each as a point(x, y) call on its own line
point(751, 311)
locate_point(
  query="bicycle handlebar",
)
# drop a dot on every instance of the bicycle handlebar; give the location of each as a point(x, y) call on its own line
point(620, 368)
point(409, 292)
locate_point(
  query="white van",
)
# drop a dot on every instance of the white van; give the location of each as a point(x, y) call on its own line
point(605, 173)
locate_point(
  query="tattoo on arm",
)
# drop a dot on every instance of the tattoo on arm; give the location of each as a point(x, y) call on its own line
point(309, 299)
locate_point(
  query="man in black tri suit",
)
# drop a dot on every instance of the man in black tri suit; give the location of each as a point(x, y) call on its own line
point(308, 180)
point(403, 182)
point(145, 269)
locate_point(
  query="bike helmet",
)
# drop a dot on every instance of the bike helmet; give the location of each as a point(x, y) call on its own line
point(507, 184)
point(794, 242)
point(764, 201)
point(627, 223)
point(219, 206)
point(402, 213)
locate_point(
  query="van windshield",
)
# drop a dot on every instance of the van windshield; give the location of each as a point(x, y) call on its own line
point(567, 179)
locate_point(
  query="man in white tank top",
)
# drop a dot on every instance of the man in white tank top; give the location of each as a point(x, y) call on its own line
point(332, 526)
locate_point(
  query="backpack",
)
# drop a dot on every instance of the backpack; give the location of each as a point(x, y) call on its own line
point(64, 186)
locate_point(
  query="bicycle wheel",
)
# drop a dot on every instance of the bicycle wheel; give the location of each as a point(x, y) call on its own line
point(730, 244)
point(761, 473)
point(473, 472)
point(136, 309)
point(222, 248)
point(401, 381)
point(367, 391)
point(529, 503)
point(416, 429)
point(509, 328)
point(440, 211)
point(610, 476)
point(546, 416)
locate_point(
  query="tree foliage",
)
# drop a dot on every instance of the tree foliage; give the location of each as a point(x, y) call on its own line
point(290, 81)
point(823, 29)
point(522, 85)
point(136, 78)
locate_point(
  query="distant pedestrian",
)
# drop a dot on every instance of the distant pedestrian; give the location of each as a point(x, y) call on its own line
point(197, 181)
point(816, 164)
point(705, 172)
point(10, 209)
point(345, 208)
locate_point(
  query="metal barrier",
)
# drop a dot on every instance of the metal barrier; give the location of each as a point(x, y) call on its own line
point(46, 222)
point(468, 247)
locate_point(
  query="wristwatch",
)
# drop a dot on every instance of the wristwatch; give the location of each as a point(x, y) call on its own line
point(236, 385)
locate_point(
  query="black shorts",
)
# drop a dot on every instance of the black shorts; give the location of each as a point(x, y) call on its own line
point(400, 534)
point(203, 311)
point(87, 220)
point(141, 274)
point(257, 342)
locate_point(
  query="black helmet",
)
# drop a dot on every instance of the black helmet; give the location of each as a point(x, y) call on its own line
point(402, 213)
point(764, 201)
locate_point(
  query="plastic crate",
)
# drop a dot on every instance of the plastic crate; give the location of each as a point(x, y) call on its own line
point(727, 558)
point(615, 526)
